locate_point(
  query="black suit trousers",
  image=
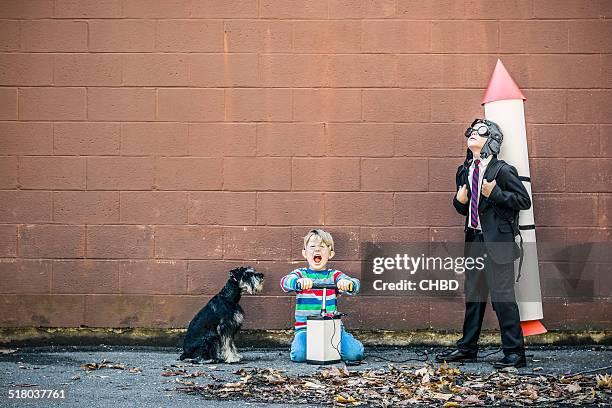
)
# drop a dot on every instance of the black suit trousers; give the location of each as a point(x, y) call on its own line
point(498, 281)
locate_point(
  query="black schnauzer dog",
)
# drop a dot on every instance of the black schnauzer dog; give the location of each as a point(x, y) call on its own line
point(210, 336)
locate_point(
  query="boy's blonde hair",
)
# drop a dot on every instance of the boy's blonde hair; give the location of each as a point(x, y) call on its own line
point(325, 236)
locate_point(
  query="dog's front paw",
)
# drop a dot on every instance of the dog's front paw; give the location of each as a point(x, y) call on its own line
point(235, 358)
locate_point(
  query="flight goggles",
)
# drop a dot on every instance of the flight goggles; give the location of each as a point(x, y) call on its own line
point(479, 127)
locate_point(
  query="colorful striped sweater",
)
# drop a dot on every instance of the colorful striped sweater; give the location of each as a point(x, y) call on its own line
point(308, 302)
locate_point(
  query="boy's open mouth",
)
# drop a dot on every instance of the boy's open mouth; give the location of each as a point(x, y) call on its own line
point(317, 258)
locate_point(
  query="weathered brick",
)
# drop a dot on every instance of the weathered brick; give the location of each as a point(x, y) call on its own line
point(605, 210)
point(594, 175)
point(358, 208)
point(27, 9)
point(54, 35)
point(155, 70)
point(363, 70)
point(294, 70)
point(87, 8)
point(188, 242)
point(8, 241)
point(120, 173)
point(547, 175)
point(107, 35)
point(257, 173)
point(222, 208)
point(132, 310)
point(153, 207)
point(464, 36)
point(153, 277)
point(449, 139)
point(458, 105)
point(164, 139)
point(268, 312)
point(561, 141)
point(361, 9)
point(225, 9)
point(565, 210)
point(325, 174)
point(290, 208)
point(175, 104)
point(290, 139)
point(25, 206)
point(87, 69)
point(293, 9)
point(157, 9)
point(396, 36)
point(558, 9)
point(533, 36)
point(441, 174)
point(122, 104)
point(222, 139)
point(24, 69)
point(327, 105)
point(223, 70)
point(327, 36)
point(189, 35)
point(394, 174)
point(52, 173)
point(91, 207)
point(189, 173)
point(545, 106)
point(85, 276)
point(8, 104)
point(25, 276)
point(23, 138)
point(52, 104)
point(258, 105)
point(25, 310)
point(361, 139)
point(257, 243)
point(590, 106)
point(86, 138)
point(396, 105)
point(555, 70)
point(51, 241)
point(258, 35)
point(426, 209)
point(9, 35)
point(119, 241)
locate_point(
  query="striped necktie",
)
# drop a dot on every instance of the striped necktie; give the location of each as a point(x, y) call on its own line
point(474, 196)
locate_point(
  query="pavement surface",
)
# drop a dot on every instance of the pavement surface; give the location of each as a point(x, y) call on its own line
point(59, 368)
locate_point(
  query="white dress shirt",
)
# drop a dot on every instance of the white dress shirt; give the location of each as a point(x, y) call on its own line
point(482, 166)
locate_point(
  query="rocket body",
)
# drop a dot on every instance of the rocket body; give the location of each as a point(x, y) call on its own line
point(503, 104)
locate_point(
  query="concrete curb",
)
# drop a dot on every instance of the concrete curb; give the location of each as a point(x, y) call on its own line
point(66, 336)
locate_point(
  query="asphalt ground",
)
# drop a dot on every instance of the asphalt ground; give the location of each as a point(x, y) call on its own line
point(59, 368)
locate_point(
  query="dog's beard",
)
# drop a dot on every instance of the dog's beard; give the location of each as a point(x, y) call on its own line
point(253, 286)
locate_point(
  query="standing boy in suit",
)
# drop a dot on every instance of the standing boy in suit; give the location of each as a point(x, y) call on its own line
point(490, 194)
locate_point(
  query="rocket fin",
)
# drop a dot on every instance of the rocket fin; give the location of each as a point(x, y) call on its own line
point(533, 327)
point(501, 86)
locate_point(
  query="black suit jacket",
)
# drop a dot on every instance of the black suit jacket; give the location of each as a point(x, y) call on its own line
point(508, 196)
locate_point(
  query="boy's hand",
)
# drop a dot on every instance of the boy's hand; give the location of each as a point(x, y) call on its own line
point(344, 285)
point(487, 187)
point(305, 283)
point(462, 194)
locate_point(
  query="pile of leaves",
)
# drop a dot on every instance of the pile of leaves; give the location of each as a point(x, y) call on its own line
point(108, 364)
point(406, 385)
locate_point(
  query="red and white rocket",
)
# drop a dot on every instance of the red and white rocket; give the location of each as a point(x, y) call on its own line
point(503, 104)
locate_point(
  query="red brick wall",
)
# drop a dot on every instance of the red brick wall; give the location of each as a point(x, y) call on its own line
point(146, 147)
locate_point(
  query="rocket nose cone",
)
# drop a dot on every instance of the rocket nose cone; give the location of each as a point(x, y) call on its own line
point(501, 86)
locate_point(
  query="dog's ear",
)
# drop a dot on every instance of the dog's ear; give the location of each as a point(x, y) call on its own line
point(234, 274)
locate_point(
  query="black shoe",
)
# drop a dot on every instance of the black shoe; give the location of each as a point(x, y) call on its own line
point(456, 356)
point(511, 360)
